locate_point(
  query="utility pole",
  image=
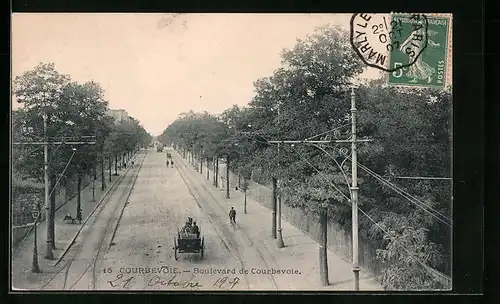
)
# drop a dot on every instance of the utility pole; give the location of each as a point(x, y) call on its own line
point(49, 254)
point(50, 241)
point(354, 193)
point(94, 177)
point(227, 177)
point(353, 186)
point(103, 178)
point(279, 242)
point(110, 160)
point(275, 204)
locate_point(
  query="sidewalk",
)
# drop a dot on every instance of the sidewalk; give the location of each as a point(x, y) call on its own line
point(300, 250)
point(22, 254)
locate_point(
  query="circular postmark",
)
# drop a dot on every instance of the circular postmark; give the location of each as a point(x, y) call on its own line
point(375, 36)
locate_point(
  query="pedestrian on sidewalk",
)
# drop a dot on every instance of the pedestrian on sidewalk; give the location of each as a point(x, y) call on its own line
point(172, 163)
point(232, 215)
point(167, 163)
point(79, 216)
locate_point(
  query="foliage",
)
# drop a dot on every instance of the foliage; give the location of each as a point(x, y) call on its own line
point(310, 95)
point(74, 112)
point(421, 277)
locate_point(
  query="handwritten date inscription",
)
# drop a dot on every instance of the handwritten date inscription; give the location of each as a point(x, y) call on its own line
point(122, 281)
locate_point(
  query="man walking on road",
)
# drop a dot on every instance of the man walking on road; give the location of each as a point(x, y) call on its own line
point(232, 215)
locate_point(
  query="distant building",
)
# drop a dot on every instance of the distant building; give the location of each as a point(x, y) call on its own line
point(119, 115)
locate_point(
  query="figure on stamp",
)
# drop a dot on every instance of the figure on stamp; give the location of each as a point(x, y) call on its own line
point(420, 70)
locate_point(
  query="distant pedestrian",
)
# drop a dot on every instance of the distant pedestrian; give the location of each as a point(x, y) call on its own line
point(168, 163)
point(232, 215)
point(124, 165)
point(79, 216)
point(172, 163)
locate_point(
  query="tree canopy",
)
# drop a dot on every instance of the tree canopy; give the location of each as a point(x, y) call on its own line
point(75, 112)
point(310, 95)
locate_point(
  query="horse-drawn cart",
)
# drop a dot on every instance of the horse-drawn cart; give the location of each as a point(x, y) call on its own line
point(188, 243)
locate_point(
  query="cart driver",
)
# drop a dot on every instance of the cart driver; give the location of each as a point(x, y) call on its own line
point(187, 227)
point(195, 229)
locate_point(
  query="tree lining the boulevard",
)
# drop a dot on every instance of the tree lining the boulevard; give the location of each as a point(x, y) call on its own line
point(411, 129)
point(74, 113)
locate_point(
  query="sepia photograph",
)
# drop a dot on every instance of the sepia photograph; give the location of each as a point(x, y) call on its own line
point(231, 152)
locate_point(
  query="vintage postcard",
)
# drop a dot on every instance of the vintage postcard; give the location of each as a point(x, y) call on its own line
point(231, 152)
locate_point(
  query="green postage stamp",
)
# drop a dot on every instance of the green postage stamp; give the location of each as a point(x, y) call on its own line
point(414, 49)
point(431, 68)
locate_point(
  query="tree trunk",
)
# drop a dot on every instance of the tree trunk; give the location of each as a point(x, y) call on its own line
point(239, 180)
point(201, 164)
point(116, 165)
point(110, 160)
point(193, 156)
point(94, 177)
point(275, 206)
point(227, 177)
point(103, 178)
point(208, 171)
point(79, 198)
point(52, 213)
point(245, 203)
point(196, 160)
point(323, 245)
point(213, 168)
point(217, 173)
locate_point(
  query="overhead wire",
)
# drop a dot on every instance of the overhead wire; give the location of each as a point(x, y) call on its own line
point(427, 267)
point(332, 130)
point(441, 217)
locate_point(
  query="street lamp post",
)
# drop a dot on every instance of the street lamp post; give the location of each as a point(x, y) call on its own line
point(35, 213)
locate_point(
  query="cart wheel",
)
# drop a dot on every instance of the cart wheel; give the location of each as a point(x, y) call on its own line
point(175, 250)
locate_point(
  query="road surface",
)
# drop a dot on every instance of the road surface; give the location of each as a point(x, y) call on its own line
point(139, 254)
point(159, 205)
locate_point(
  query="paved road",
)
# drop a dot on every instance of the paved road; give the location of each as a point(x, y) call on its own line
point(141, 256)
point(159, 205)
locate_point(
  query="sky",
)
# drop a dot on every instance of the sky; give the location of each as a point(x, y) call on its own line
point(156, 66)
